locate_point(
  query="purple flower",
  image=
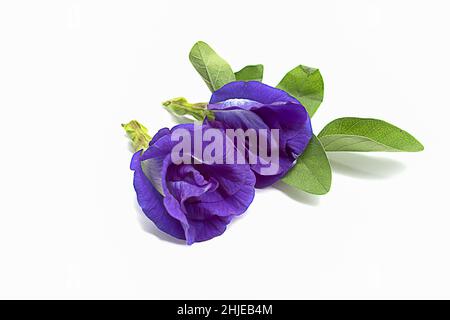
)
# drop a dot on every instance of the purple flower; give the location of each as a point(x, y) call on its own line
point(194, 201)
point(258, 106)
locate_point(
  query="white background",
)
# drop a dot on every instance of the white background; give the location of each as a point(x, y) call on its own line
point(72, 71)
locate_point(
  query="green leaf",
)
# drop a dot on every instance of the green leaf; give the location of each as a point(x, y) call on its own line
point(312, 171)
point(365, 135)
point(138, 135)
point(250, 73)
point(180, 107)
point(214, 70)
point(306, 85)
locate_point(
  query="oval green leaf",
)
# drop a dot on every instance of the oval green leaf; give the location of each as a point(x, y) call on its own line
point(306, 85)
point(250, 73)
point(312, 171)
point(214, 70)
point(366, 135)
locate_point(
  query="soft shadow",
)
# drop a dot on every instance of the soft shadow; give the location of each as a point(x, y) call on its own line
point(181, 119)
point(131, 148)
point(297, 195)
point(148, 226)
point(237, 218)
point(129, 144)
point(362, 166)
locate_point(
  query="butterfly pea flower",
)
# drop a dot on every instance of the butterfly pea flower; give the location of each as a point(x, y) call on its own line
point(254, 105)
point(192, 201)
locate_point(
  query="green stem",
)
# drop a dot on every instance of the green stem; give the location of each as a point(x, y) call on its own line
point(180, 107)
point(138, 135)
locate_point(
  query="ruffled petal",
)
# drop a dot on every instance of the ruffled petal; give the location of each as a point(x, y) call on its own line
point(151, 202)
point(294, 124)
point(238, 118)
point(234, 194)
point(257, 106)
point(294, 135)
point(194, 202)
point(251, 90)
point(202, 230)
point(161, 133)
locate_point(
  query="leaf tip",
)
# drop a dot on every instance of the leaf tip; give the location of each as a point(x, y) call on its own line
point(420, 146)
point(200, 43)
point(308, 70)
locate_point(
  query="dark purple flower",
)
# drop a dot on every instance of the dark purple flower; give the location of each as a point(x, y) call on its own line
point(194, 201)
point(255, 105)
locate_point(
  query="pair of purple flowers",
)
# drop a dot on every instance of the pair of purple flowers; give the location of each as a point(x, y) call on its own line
point(197, 201)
